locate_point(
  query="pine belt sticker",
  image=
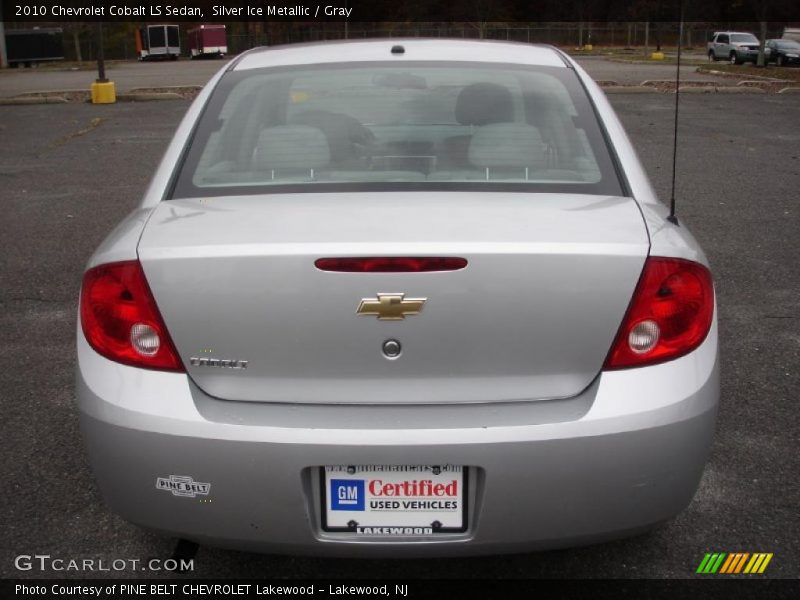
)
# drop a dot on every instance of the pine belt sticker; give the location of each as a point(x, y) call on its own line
point(183, 485)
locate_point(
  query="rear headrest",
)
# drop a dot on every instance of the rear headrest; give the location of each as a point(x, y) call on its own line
point(292, 147)
point(484, 103)
point(508, 145)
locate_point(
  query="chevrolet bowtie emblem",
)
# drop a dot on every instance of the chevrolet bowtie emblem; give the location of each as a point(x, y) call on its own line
point(390, 307)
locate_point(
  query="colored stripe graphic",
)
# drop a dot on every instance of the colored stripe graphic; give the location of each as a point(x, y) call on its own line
point(711, 563)
point(765, 563)
point(733, 563)
point(758, 563)
point(703, 563)
point(727, 564)
point(742, 560)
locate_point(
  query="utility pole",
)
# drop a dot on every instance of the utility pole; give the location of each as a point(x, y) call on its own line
point(103, 90)
point(101, 56)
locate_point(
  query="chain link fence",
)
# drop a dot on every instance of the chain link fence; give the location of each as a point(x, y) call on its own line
point(80, 42)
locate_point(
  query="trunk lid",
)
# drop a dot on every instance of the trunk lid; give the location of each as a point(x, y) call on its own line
point(532, 316)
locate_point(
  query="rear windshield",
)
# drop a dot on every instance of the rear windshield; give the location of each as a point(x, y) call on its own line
point(420, 126)
point(744, 38)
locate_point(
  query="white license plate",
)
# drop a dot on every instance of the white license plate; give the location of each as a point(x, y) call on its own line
point(387, 500)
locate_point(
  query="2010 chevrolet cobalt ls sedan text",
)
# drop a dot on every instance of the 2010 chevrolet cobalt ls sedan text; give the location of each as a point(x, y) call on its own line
point(397, 298)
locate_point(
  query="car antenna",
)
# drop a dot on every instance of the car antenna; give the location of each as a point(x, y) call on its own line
point(672, 218)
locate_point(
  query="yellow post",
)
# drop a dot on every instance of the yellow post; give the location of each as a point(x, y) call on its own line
point(104, 92)
point(657, 56)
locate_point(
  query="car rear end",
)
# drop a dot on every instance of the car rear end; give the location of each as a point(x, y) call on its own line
point(786, 52)
point(449, 319)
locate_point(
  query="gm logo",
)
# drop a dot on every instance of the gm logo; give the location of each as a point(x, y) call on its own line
point(347, 494)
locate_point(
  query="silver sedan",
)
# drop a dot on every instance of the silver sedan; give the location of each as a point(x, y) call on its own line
point(397, 298)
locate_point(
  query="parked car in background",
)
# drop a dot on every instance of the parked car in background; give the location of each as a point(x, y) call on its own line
point(399, 297)
point(783, 52)
point(737, 47)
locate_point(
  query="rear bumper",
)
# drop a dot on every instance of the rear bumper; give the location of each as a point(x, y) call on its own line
point(626, 454)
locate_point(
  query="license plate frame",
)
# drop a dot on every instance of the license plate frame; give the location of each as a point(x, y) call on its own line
point(396, 522)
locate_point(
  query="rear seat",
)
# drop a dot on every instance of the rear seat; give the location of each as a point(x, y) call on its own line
point(501, 151)
point(293, 152)
point(300, 153)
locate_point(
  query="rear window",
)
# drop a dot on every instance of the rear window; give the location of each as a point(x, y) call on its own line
point(364, 126)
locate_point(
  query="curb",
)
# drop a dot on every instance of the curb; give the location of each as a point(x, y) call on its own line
point(37, 93)
point(148, 97)
point(750, 77)
point(789, 90)
point(686, 83)
point(696, 89)
point(175, 92)
point(630, 89)
point(167, 89)
point(140, 97)
point(668, 60)
point(28, 100)
point(748, 89)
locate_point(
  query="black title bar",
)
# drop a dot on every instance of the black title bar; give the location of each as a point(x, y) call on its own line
point(377, 11)
point(733, 588)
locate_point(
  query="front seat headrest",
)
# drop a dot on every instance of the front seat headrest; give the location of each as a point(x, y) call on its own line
point(484, 103)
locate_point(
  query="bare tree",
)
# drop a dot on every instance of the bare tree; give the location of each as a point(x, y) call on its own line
point(486, 12)
point(762, 9)
point(77, 29)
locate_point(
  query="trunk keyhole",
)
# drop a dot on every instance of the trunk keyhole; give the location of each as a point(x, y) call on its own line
point(392, 349)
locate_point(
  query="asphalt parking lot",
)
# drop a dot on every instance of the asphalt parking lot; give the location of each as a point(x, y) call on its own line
point(68, 173)
point(131, 75)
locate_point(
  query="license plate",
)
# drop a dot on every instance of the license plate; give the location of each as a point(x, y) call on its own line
point(386, 500)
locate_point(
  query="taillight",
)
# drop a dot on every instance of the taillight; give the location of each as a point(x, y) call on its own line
point(669, 315)
point(120, 318)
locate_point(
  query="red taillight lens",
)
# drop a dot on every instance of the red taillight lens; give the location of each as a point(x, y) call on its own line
point(669, 316)
point(120, 319)
point(391, 264)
